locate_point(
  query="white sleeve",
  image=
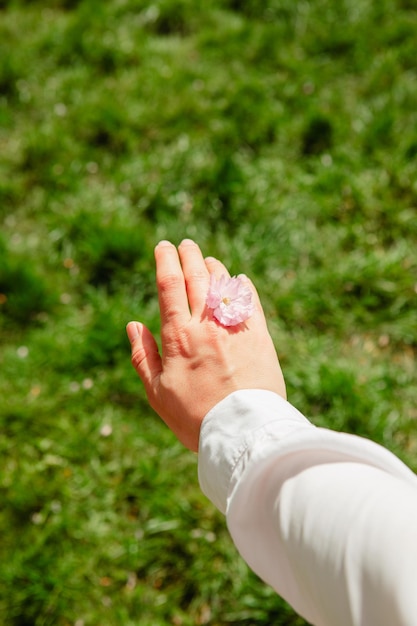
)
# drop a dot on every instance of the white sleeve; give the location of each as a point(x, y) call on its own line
point(328, 519)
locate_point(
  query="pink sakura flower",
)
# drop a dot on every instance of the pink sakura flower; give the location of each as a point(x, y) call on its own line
point(230, 299)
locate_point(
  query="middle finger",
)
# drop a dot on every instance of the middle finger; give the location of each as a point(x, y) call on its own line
point(195, 273)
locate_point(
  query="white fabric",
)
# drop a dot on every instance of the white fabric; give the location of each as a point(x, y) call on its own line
point(328, 519)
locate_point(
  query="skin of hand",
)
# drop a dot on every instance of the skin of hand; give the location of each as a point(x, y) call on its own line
point(201, 362)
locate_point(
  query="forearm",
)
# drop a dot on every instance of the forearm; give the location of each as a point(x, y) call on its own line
point(306, 509)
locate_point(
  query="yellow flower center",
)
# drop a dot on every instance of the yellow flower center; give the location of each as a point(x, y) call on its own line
point(226, 301)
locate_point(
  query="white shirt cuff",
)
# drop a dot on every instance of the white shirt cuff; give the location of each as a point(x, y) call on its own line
point(230, 428)
point(251, 425)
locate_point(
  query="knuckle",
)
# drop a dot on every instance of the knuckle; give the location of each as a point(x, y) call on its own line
point(197, 275)
point(138, 356)
point(169, 282)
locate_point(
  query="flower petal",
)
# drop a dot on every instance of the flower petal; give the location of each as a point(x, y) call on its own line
point(230, 299)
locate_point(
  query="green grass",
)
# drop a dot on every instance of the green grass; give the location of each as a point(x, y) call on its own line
point(282, 136)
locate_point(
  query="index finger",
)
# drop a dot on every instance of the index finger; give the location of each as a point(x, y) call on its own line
point(172, 292)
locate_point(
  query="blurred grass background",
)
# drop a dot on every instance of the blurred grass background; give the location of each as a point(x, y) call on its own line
point(282, 136)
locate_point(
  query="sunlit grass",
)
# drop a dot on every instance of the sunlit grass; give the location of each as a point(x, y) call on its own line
point(282, 139)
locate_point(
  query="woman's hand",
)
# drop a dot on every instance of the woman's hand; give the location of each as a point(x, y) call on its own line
point(201, 362)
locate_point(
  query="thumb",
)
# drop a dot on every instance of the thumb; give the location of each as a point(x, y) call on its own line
point(145, 356)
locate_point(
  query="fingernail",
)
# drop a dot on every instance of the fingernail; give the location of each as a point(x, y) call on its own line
point(164, 242)
point(210, 259)
point(132, 330)
point(187, 242)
